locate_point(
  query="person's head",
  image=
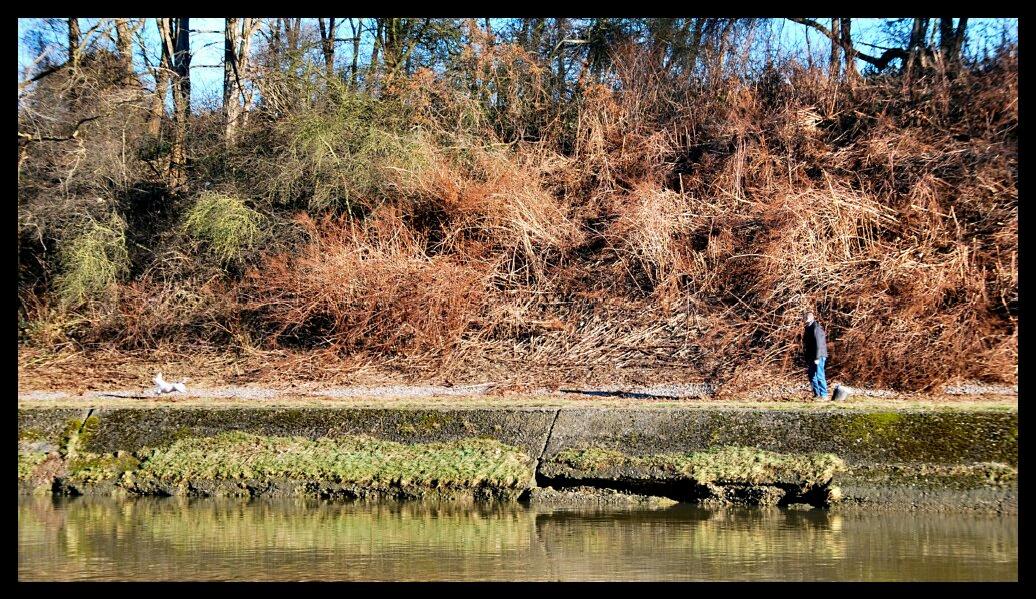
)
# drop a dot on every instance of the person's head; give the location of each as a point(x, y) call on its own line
point(808, 317)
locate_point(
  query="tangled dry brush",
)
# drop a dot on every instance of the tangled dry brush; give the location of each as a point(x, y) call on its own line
point(655, 229)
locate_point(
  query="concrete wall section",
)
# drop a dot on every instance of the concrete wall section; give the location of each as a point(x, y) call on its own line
point(855, 436)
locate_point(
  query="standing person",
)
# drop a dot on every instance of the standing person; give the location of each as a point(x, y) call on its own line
point(814, 346)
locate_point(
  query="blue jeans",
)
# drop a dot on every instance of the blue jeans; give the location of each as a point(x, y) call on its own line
point(817, 379)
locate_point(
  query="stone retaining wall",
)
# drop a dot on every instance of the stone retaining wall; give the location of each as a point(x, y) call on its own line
point(918, 457)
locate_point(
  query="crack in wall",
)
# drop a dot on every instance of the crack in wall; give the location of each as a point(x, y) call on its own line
point(85, 418)
point(546, 441)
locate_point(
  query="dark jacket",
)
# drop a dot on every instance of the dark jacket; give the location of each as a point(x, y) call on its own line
point(814, 342)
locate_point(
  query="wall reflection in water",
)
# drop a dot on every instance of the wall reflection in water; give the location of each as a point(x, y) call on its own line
point(222, 539)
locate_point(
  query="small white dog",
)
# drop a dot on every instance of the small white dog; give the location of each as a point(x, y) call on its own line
point(162, 386)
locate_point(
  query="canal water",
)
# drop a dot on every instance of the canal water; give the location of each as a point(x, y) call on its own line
point(86, 538)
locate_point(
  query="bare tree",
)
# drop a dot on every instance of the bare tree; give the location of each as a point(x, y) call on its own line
point(73, 41)
point(327, 45)
point(175, 34)
point(292, 33)
point(879, 62)
point(915, 60)
point(237, 43)
point(357, 28)
point(398, 39)
point(380, 27)
point(951, 42)
point(154, 126)
point(834, 66)
point(124, 43)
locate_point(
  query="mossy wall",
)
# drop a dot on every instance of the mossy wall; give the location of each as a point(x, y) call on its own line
point(130, 429)
point(858, 437)
point(46, 425)
point(945, 458)
point(947, 437)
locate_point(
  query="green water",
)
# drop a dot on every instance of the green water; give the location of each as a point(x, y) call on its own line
point(224, 539)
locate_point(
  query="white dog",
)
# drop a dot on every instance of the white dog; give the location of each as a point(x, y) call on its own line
point(162, 386)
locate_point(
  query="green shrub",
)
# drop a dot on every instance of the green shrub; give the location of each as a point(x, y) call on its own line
point(351, 152)
point(225, 224)
point(93, 261)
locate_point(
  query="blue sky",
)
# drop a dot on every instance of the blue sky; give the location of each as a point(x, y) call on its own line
point(207, 45)
point(206, 48)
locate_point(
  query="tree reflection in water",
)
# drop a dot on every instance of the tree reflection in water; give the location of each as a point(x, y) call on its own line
point(181, 538)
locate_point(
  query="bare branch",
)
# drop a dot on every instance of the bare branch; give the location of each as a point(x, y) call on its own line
point(27, 138)
point(880, 62)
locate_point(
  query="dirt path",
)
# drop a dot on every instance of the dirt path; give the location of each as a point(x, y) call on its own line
point(489, 394)
point(274, 377)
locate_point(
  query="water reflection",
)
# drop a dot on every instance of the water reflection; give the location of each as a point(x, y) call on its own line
point(218, 539)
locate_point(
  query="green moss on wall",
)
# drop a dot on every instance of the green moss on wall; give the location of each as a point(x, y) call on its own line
point(30, 434)
point(96, 468)
point(931, 437)
point(350, 460)
point(27, 463)
point(77, 434)
point(726, 465)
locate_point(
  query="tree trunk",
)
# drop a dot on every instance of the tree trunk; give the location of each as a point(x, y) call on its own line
point(356, 50)
point(292, 33)
point(327, 45)
point(694, 48)
point(231, 80)
point(399, 38)
point(154, 126)
point(124, 42)
point(181, 99)
point(851, 73)
point(958, 46)
point(379, 32)
point(951, 42)
point(73, 42)
point(946, 32)
point(237, 43)
point(716, 66)
point(275, 43)
point(182, 56)
point(918, 33)
point(248, 29)
point(660, 34)
point(562, 72)
point(390, 46)
point(176, 34)
point(536, 41)
point(836, 47)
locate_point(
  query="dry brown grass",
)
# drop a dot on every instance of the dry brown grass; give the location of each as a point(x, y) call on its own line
point(368, 286)
point(670, 230)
